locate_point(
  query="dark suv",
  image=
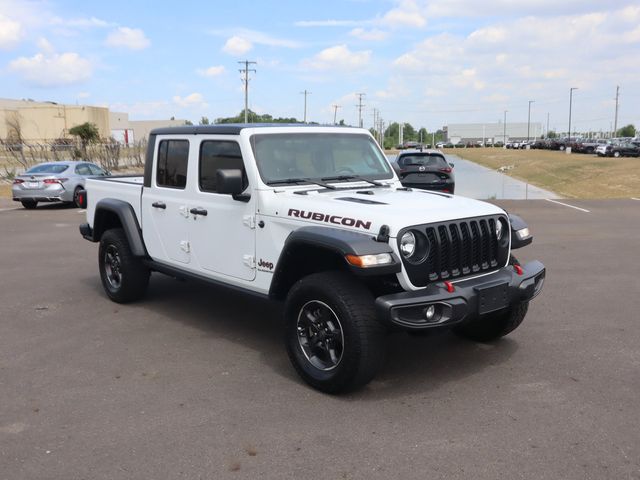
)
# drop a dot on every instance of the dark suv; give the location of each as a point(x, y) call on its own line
point(426, 170)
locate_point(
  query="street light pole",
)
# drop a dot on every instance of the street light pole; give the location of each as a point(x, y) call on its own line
point(570, 104)
point(529, 119)
point(504, 133)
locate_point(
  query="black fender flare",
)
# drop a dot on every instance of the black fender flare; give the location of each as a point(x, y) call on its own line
point(329, 240)
point(128, 219)
point(517, 223)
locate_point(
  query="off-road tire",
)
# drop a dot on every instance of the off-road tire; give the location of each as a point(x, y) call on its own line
point(133, 275)
point(364, 337)
point(494, 326)
point(29, 204)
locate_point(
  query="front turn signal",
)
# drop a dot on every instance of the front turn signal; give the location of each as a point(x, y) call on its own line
point(366, 261)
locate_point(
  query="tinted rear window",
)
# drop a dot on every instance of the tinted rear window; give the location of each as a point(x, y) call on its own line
point(422, 160)
point(173, 156)
point(48, 168)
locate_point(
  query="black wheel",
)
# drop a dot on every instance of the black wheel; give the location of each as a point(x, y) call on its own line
point(76, 195)
point(123, 276)
point(493, 326)
point(29, 204)
point(332, 335)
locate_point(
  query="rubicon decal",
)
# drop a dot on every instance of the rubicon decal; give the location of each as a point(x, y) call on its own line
point(335, 219)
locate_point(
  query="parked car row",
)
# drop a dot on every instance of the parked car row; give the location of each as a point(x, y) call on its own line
point(601, 147)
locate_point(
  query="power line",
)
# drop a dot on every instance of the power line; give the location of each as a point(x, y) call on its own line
point(305, 93)
point(246, 71)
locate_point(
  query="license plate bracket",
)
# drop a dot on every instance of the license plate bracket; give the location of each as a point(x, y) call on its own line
point(492, 297)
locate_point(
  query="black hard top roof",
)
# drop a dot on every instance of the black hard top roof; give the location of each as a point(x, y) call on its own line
point(225, 128)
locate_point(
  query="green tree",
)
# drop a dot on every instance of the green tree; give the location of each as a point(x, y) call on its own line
point(188, 122)
point(409, 133)
point(423, 136)
point(87, 133)
point(253, 117)
point(204, 121)
point(552, 134)
point(627, 131)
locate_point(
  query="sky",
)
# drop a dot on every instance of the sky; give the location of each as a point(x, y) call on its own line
point(429, 63)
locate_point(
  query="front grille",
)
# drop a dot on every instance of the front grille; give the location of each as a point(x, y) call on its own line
point(457, 249)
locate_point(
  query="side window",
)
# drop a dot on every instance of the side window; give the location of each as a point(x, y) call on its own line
point(216, 155)
point(83, 169)
point(173, 156)
point(96, 170)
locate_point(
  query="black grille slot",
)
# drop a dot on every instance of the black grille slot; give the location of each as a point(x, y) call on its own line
point(458, 249)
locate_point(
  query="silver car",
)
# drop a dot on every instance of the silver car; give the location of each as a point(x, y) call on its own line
point(53, 182)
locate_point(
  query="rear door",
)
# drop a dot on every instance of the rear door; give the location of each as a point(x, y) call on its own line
point(222, 235)
point(165, 215)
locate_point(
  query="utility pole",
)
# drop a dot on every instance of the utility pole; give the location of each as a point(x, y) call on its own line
point(547, 124)
point(360, 107)
point(529, 119)
point(305, 93)
point(615, 124)
point(504, 129)
point(246, 71)
point(570, 105)
point(335, 112)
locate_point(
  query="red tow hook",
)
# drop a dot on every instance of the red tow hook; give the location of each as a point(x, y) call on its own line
point(449, 286)
point(518, 269)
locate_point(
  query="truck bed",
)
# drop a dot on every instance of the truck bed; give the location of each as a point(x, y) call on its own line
point(123, 187)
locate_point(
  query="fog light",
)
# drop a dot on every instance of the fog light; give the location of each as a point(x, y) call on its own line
point(430, 312)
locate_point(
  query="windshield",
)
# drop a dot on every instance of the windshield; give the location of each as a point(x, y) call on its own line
point(318, 156)
point(48, 168)
point(425, 160)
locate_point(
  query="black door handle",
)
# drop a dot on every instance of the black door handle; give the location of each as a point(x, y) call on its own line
point(198, 211)
point(158, 205)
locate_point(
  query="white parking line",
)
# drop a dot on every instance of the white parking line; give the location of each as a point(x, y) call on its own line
point(567, 205)
point(634, 198)
point(9, 209)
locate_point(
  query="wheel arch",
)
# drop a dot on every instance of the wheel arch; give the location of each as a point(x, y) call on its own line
point(318, 249)
point(112, 213)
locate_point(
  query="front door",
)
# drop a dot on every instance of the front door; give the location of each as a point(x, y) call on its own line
point(222, 230)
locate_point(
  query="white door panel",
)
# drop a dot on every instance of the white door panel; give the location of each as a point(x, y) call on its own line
point(221, 241)
point(166, 229)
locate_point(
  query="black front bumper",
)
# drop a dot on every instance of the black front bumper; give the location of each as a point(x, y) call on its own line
point(468, 300)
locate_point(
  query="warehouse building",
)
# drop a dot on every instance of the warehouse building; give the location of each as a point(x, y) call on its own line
point(491, 132)
point(31, 122)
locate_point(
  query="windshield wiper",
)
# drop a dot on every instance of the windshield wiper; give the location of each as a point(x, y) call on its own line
point(301, 180)
point(354, 177)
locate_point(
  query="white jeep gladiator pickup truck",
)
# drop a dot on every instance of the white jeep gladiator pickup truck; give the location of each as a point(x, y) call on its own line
point(313, 216)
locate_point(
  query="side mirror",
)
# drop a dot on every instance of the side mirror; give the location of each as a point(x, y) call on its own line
point(229, 182)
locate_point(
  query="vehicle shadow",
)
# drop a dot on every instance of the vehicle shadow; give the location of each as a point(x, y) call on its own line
point(413, 364)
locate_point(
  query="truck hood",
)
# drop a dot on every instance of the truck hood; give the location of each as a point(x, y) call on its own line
point(366, 209)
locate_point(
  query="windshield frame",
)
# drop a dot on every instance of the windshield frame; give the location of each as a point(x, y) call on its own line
point(389, 173)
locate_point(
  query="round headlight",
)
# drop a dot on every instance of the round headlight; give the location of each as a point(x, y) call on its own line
point(408, 244)
point(499, 229)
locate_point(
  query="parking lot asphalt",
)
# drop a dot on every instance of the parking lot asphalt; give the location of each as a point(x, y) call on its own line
point(194, 382)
